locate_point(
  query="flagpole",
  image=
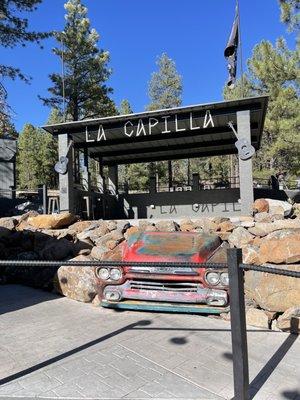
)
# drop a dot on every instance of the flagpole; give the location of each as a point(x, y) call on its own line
point(240, 46)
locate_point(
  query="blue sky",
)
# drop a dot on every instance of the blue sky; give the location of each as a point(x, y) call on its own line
point(135, 32)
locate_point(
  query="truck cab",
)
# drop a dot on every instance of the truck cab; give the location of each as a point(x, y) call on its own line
point(167, 288)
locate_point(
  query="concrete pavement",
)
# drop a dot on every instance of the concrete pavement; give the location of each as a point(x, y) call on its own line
point(53, 347)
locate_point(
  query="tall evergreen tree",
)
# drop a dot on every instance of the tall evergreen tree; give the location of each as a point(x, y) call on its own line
point(28, 160)
point(165, 86)
point(86, 69)
point(125, 107)
point(274, 70)
point(165, 91)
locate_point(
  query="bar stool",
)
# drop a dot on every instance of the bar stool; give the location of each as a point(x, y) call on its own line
point(53, 204)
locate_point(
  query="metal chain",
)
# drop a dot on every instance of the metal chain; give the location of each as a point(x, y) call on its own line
point(94, 263)
point(271, 270)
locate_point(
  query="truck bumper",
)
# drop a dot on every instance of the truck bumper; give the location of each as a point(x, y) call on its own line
point(164, 307)
point(169, 292)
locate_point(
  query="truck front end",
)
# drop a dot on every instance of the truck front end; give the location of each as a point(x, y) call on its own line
point(167, 287)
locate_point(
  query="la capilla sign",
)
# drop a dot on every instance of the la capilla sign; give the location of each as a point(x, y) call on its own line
point(161, 124)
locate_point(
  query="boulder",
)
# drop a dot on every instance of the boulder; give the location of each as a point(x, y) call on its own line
point(251, 255)
point(273, 292)
point(77, 283)
point(52, 221)
point(283, 250)
point(256, 317)
point(223, 235)
point(207, 225)
point(96, 229)
point(240, 237)
point(290, 320)
point(167, 226)
point(79, 227)
point(279, 207)
point(262, 217)
point(8, 223)
point(146, 226)
point(112, 225)
point(107, 242)
point(114, 255)
point(264, 228)
point(226, 226)
point(132, 230)
point(187, 227)
point(260, 205)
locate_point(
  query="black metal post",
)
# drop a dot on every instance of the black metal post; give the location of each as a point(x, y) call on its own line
point(45, 198)
point(238, 325)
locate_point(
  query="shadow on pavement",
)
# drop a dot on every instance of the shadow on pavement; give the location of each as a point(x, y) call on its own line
point(16, 297)
point(69, 353)
point(271, 365)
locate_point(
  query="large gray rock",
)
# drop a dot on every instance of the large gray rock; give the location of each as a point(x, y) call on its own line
point(256, 317)
point(264, 228)
point(281, 250)
point(240, 237)
point(290, 320)
point(279, 206)
point(167, 226)
point(273, 292)
point(77, 283)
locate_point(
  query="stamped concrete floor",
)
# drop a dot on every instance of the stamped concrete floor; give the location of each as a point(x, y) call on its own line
point(53, 347)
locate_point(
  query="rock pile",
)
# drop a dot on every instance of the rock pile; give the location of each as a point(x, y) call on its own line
point(271, 236)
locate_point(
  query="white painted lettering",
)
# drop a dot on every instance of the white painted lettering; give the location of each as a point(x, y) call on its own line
point(176, 125)
point(152, 123)
point(140, 128)
point(166, 124)
point(208, 120)
point(101, 134)
point(87, 138)
point(192, 127)
point(129, 134)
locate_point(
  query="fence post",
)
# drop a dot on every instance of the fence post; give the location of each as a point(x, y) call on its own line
point(238, 325)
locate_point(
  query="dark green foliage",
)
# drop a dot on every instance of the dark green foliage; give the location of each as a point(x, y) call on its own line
point(86, 69)
point(37, 155)
point(14, 30)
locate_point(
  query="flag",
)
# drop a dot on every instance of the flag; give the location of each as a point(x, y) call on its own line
point(230, 51)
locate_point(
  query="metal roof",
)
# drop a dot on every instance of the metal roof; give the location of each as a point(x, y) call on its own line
point(177, 133)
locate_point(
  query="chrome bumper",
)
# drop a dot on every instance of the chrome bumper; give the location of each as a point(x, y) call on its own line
point(174, 292)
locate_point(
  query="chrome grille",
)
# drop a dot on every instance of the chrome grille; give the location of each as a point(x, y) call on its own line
point(164, 286)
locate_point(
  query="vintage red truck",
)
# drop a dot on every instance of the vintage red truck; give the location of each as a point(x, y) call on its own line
point(167, 288)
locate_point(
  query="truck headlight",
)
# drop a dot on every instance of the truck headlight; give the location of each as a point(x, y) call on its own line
point(224, 279)
point(212, 278)
point(115, 274)
point(103, 273)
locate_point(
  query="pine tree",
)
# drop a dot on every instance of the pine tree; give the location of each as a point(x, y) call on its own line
point(165, 91)
point(14, 30)
point(274, 71)
point(86, 69)
point(290, 13)
point(28, 160)
point(125, 107)
point(165, 86)
point(7, 128)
